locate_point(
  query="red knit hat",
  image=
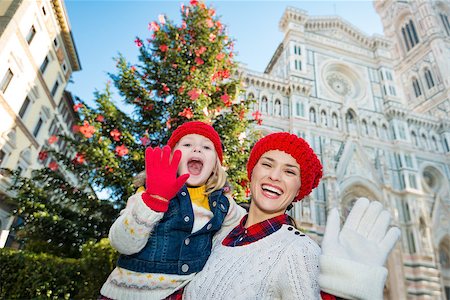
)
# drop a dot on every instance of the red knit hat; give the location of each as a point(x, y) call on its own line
point(298, 148)
point(197, 127)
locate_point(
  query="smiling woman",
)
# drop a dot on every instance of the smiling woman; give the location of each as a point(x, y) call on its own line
point(280, 261)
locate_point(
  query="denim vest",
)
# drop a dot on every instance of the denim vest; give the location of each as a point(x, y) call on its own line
point(172, 248)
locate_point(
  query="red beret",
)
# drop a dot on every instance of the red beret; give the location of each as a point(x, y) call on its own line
point(299, 149)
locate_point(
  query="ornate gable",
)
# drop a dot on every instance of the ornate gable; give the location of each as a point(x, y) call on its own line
point(339, 30)
point(355, 162)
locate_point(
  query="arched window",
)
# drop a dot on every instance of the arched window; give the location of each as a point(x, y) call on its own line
point(424, 141)
point(446, 144)
point(435, 143)
point(375, 129)
point(251, 97)
point(312, 115)
point(365, 127)
point(444, 19)
point(414, 138)
point(299, 108)
point(416, 86)
point(277, 109)
point(264, 105)
point(429, 78)
point(384, 132)
point(406, 211)
point(335, 120)
point(350, 120)
point(409, 34)
point(323, 118)
point(411, 241)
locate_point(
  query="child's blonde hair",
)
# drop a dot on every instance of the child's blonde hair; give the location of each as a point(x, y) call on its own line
point(217, 179)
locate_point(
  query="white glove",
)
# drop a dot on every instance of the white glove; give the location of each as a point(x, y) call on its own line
point(363, 238)
point(352, 260)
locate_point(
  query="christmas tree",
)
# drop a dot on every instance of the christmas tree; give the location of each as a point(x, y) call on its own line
point(185, 72)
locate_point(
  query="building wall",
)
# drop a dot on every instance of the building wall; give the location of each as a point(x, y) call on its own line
point(349, 96)
point(37, 57)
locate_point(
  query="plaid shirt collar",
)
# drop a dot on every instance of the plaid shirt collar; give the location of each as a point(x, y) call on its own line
point(241, 236)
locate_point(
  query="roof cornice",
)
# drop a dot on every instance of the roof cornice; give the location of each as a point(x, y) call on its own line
point(66, 34)
point(266, 81)
point(312, 23)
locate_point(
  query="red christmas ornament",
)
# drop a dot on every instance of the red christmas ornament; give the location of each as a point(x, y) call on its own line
point(87, 130)
point(52, 139)
point(53, 165)
point(121, 150)
point(115, 134)
point(42, 155)
point(187, 113)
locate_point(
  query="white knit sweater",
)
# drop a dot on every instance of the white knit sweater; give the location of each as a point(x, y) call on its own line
point(130, 233)
point(283, 265)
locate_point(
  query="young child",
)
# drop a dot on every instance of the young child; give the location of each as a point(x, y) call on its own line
point(165, 232)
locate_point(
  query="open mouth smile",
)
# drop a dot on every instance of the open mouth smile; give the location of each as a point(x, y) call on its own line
point(271, 191)
point(195, 166)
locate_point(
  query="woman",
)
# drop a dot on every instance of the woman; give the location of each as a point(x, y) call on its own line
point(266, 257)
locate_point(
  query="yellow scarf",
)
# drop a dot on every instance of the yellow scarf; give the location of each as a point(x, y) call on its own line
point(198, 196)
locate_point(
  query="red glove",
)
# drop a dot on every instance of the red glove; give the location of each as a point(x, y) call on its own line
point(326, 296)
point(162, 183)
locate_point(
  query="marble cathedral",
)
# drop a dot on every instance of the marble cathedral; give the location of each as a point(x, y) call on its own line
point(376, 109)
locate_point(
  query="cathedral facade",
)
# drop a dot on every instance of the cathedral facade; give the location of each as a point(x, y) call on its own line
point(376, 111)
